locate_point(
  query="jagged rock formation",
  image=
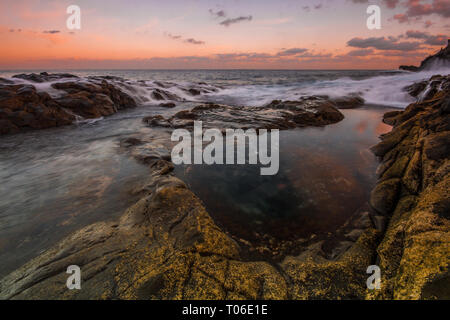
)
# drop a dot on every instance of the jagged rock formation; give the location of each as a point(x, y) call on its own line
point(412, 195)
point(25, 102)
point(440, 59)
point(23, 107)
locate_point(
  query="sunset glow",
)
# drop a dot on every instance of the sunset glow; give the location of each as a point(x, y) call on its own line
point(286, 34)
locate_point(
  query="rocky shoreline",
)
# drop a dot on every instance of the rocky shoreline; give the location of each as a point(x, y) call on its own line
point(167, 246)
point(412, 199)
point(25, 102)
point(439, 60)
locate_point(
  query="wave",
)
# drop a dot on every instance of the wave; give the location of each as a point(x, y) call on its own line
point(385, 90)
point(377, 87)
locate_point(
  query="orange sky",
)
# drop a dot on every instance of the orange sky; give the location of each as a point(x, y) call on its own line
point(183, 34)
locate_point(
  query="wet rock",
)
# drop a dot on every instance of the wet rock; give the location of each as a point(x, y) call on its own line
point(309, 111)
point(194, 92)
point(354, 234)
point(30, 109)
point(44, 77)
point(25, 109)
point(414, 253)
point(168, 105)
point(384, 196)
point(416, 88)
point(159, 94)
point(348, 102)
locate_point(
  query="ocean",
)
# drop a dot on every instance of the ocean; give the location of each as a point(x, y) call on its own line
point(258, 87)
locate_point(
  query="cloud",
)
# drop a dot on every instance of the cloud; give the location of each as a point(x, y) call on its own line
point(360, 53)
point(306, 8)
point(217, 14)
point(383, 43)
point(291, 52)
point(391, 4)
point(51, 31)
point(229, 22)
point(188, 40)
point(432, 40)
point(415, 9)
point(174, 37)
point(428, 24)
point(193, 41)
point(316, 7)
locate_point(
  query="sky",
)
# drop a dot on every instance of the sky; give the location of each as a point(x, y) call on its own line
point(219, 34)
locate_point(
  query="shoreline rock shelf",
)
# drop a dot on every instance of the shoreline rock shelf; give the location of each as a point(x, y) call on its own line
point(412, 199)
point(23, 107)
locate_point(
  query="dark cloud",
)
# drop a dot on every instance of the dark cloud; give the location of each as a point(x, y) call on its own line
point(432, 40)
point(316, 7)
point(306, 8)
point(438, 40)
point(360, 53)
point(51, 31)
point(229, 22)
point(193, 41)
point(291, 52)
point(383, 43)
point(391, 4)
point(188, 40)
point(428, 24)
point(218, 14)
point(416, 9)
point(174, 37)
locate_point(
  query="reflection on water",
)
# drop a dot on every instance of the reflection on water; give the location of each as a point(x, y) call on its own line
point(325, 175)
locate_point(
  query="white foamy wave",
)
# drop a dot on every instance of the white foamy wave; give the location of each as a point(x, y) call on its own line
point(144, 92)
point(386, 90)
point(381, 90)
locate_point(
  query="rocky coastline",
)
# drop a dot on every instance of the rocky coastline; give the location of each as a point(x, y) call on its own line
point(167, 246)
point(439, 60)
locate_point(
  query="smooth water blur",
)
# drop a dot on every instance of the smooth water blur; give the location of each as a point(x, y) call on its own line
point(56, 181)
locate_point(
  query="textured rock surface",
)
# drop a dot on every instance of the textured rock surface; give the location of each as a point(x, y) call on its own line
point(23, 107)
point(413, 195)
point(309, 111)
